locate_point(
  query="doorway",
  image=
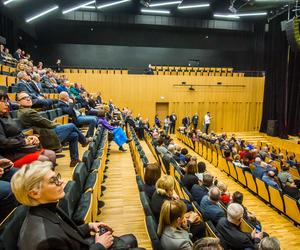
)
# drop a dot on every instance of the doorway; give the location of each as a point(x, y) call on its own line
point(162, 110)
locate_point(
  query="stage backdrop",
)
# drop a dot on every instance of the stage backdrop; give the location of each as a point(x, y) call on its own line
point(233, 108)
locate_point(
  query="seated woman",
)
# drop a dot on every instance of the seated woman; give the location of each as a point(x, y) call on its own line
point(225, 195)
point(173, 226)
point(190, 178)
point(120, 137)
point(14, 145)
point(46, 227)
point(165, 191)
point(285, 176)
point(152, 174)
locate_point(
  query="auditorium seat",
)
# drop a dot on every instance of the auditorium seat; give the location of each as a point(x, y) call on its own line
point(251, 184)
point(2, 80)
point(232, 170)
point(77, 205)
point(241, 176)
point(151, 229)
point(262, 189)
point(292, 208)
point(146, 204)
point(10, 80)
point(276, 199)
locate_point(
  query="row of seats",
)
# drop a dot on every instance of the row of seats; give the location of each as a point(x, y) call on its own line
point(282, 202)
point(7, 70)
point(98, 71)
point(172, 168)
point(195, 69)
point(82, 193)
point(7, 80)
point(197, 73)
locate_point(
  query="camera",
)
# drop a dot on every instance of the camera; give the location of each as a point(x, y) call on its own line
point(102, 230)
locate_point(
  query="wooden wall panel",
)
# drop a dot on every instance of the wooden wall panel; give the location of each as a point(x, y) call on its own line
point(237, 108)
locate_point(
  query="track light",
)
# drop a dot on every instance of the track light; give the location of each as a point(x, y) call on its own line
point(226, 16)
point(8, 2)
point(78, 7)
point(41, 14)
point(111, 4)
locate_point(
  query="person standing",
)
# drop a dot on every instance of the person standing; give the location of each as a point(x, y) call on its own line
point(173, 119)
point(157, 122)
point(207, 120)
point(195, 120)
point(186, 121)
point(167, 124)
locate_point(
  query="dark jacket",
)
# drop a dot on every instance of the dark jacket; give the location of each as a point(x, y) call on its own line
point(195, 120)
point(11, 139)
point(156, 203)
point(47, 228)
point(26, 87)
point(198, 192)
point(40, 125)
point(189, 180)
point(211, 211)
point(68, 109)
point(235, 239)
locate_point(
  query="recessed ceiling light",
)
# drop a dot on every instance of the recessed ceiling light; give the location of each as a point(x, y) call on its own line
point(164, 3)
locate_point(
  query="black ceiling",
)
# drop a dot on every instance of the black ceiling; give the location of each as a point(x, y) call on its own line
point(27, 8)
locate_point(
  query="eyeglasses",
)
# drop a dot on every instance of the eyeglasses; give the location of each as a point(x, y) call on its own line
point(25, 98)
point(5, 102)
point(56, 180)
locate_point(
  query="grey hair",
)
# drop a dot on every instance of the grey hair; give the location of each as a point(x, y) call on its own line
point(21, 74)
point(234, 212)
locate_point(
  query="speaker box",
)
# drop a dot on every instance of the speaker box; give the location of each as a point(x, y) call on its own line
point(272, 128)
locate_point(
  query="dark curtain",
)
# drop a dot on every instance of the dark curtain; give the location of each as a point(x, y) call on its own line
point(281, 96)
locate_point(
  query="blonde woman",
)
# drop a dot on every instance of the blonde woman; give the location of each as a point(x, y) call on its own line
point(46, 227)
point(172, 226)
point(165, 192)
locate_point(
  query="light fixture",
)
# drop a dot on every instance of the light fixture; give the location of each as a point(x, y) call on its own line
point(155, 11)
point(165, 3)
point(41, 14)
point(8, 2)
point(193, 6)
point(226, 16)
point(78, 7)
point(89, 7)
point(111, 4)
point(252, 14)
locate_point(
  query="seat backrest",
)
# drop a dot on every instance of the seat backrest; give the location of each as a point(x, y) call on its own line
point(93, 149)
point(262, 189)
point(9, 232)
point(59, 112)
point(152, 228)
point(140, 183)
point(146, 204)
point(52, 114)
point(87, 158)
point(72, 196)
point(292, 208)
point(80, 175)
point(44, 114)
point(276, 198)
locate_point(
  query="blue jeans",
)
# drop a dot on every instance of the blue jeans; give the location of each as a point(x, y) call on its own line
point(70, 133)
point(90, 120)
point(7, 198)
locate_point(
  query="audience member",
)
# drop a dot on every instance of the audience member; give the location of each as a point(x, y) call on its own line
point(231, 233)
point(152, 174)
point(51, 134)
point(7, 199)
point(284, 176)
point(269, 243)
point(14, 145)
point(225, 195)
point(190, 179)
point(208, 243)
point(172, 228)
point(198, 192)
point(39, 187)
point(67, 106)
point(269, 179)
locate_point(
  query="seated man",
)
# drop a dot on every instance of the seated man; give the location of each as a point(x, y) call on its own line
point(23, 85)
point(36, 87)
point(198, 192)
point(67, 106)
point(269, 179)
point(231, 233)
point(46, 80)
point(84, 100)
point(259, 170)
point(209, 206)
point(7, 199)
point(51, 134)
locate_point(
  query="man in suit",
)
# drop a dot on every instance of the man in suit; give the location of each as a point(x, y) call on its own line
point(23, 85)
point(198, 192)
point(46, 80)
point(17, 54)
point(195, 120)
point(67, 106)
point(229, 228)
point(173, 119)
point(209, 206)
point(51, 134)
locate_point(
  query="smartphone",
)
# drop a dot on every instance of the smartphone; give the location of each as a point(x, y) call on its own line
point(7, 167)
point(258, 228)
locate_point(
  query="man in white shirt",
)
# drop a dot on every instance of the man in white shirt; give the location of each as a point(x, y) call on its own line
point(207, 120)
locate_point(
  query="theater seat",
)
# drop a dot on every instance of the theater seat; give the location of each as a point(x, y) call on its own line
point(232, 170)
point(151, 229)
point(241, 176)
point(140, 183)
point(10, 229)
point(292, 208)
point(276, 199)
point(89, 161)
point(251, 182)
point(262, 190)
point(146, 204)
